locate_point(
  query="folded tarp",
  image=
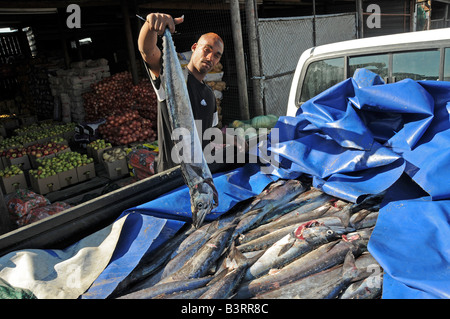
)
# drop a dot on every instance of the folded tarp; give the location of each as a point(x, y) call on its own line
point(356, 139)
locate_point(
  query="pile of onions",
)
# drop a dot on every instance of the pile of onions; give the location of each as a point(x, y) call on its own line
point(117, 93)
point(127, 127)
point(130, 110)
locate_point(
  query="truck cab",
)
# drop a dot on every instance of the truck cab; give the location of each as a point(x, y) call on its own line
point(421, 55)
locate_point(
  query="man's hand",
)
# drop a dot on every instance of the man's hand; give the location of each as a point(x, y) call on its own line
point(158, 22)
point(154, 25)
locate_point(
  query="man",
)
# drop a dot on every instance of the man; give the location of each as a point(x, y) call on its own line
point(206, 53)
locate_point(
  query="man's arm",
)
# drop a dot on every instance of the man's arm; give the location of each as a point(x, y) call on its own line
point(155, 25)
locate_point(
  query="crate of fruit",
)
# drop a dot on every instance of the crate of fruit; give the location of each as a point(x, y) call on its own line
point(12, 178)
point(96, 148)
point(115, 161)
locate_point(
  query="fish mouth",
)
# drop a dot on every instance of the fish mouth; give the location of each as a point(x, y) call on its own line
point(198, 217)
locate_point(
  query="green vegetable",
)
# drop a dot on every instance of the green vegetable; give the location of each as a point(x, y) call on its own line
point(264, 121)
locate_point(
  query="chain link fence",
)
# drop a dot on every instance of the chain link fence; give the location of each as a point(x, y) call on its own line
point(283, 40)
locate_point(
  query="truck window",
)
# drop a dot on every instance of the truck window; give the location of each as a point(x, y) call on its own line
point(418, 65)
point(378, 64)
point(320, 76)
point(447, 65)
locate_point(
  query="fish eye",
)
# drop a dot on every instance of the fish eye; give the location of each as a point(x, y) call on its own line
point(199, 205)
point(330, 232)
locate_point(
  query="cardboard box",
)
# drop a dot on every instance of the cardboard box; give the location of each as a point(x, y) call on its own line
point(117, 169)
point(97, 155)
point(34, 160)
point(68, 178)
point(45, 185)
point(23, 162)
point(85, 172)
point(11, 184)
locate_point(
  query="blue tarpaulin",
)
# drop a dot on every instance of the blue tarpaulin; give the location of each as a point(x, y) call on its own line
point(363, 137)
point(357, 138)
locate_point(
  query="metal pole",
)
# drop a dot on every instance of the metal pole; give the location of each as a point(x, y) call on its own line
point(314, 23)
point(239, 56)
point(254, 57)
point(130, 42)
point(359, 15)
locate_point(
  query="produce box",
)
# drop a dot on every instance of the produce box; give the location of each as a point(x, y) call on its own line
point(68, 178)
point(115, 162)
point(85, 172)
point(34, 159)
point(96, 149)
point(23, 162)
point(45, 185)
point(46, 153)
point(13, 183)
point(117, 169)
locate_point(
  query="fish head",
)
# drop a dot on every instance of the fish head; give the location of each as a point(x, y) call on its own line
point(204, 198)
point(318, 232)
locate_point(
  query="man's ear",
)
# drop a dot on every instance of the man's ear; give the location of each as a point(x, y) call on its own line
point(193, 46)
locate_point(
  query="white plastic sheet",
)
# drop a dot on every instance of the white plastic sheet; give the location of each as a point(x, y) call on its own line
point(62, 274)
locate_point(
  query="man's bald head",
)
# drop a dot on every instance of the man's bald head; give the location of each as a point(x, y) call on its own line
point(206, 53)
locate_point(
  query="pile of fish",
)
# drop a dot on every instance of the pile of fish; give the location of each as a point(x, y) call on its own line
point(290, 241)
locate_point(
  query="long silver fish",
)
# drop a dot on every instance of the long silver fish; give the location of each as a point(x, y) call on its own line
point(325, 284)
point(324, 257)
point(305, 239)
point(195, 171)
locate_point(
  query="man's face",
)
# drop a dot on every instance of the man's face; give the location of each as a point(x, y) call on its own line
point(206, 53)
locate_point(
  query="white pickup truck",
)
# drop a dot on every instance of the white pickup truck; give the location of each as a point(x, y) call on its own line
point(422, 55)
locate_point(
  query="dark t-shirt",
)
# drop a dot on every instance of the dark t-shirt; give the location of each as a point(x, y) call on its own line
point(204, 108)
